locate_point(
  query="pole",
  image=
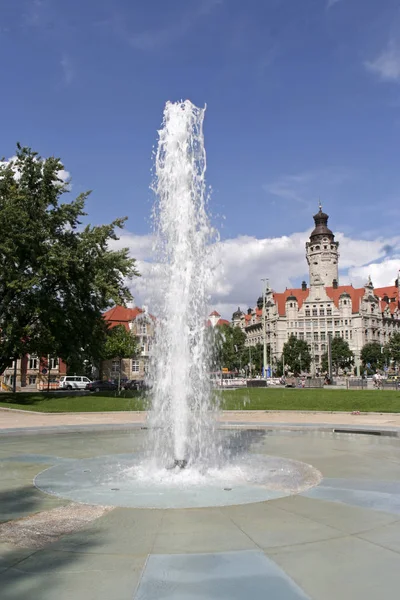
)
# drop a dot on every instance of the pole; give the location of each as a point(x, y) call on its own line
point(266, 286)
point(330, 356)
point(15, 376)
point(48, 376)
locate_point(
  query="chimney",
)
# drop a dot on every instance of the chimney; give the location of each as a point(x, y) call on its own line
point(335, 284)
point(304, 286)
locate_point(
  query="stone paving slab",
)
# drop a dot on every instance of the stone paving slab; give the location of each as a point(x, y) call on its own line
point(227, 576)
point(346, 568)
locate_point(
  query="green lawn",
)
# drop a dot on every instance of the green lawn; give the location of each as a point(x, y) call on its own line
point(248, 399)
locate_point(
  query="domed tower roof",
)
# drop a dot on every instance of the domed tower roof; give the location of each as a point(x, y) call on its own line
point(321, 226)
point(291, 298)
point(237, 314)
point(344, 295)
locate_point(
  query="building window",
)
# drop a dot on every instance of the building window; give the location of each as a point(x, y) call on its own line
point(347, 335)
point(328, 312)
point(351, 334)
point(323, 335)
point(337, 322)
point(115, 366)
point(345, 322)
point(33, 363)
point(143, 329)
point(53, 364)
point(315, 324)
point(315, 312)
point(322, 312)
point(135, 366)
point(316, 335)
point(301, 335)
point(308, 314)
point(308, 335)
point(323, 348)
point(337, 333)
point(32, 379)
point(329, 324)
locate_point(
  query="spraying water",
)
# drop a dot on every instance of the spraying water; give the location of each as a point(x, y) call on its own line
point(182, 410)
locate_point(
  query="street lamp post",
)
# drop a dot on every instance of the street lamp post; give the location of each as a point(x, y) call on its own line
point(266, 286)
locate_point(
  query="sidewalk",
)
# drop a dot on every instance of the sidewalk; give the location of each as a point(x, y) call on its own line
point(16, 419)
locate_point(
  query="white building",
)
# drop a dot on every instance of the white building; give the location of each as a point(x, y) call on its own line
point(311, 313)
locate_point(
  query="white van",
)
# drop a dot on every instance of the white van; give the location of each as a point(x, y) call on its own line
point(73, 382)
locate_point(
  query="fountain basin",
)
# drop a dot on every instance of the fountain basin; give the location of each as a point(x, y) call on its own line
point(133, 481)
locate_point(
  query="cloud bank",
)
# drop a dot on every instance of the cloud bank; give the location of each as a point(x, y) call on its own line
point(242, 262)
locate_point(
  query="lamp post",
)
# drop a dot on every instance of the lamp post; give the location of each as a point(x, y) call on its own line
point(266, 286)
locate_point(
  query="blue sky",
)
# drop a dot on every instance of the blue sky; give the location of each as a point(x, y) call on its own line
point(303, 101)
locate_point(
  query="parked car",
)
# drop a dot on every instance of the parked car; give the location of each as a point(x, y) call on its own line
point(73, 382)
point(101, 386)
point(133, 384)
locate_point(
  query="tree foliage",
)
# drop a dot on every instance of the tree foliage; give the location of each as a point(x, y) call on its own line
point(342, 356)
point(120, 343)
point(297, 355)
point(393, 349)
point(56, 276)
point(371, 354)
point(230, 351)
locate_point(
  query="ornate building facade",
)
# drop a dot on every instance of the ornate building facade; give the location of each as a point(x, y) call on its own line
point(323, 308)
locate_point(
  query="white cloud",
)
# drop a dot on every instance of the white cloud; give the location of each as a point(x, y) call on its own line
point(383, 273)
point(62, 173)
point(387, 64)
point(245, 260)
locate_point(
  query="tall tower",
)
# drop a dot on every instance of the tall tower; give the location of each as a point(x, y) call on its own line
point(322, 253)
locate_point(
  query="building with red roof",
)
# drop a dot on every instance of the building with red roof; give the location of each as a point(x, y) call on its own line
point(215, 320)
point(141, 323)
point(323, 308)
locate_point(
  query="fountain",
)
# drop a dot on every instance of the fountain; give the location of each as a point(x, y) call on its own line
point(189, 461)
point(182, 415)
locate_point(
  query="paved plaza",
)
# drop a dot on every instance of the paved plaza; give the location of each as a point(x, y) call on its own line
point(337, 538)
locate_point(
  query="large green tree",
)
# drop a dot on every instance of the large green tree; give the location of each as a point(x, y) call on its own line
point(120, 343)
point(297, 355)
point(56, 275)
point(371, 354)
point(342, 356)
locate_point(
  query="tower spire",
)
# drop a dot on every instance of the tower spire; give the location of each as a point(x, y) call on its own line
point(319, 204)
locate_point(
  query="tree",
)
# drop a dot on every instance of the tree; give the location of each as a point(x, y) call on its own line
point(393, 349)
point(120, 343)
point(230, 351)
point(342, 356)
point(297, 355)
point(371, 354)
point(56, 276)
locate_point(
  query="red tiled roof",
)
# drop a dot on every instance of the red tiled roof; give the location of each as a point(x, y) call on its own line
point(218, 323)
point(214, 314)
point(355, 293)
point(280, 298)
point(121, 315)
point(223, 322)
point(391, 291)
